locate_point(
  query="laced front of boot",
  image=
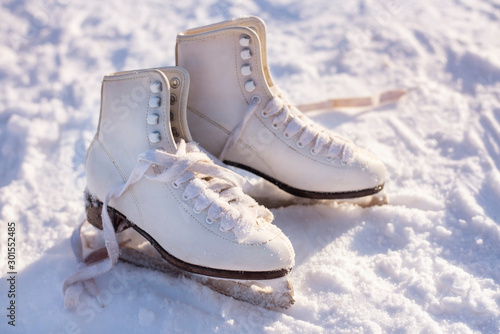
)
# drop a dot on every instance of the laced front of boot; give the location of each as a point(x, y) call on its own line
point(295, 124)
point(210, 188)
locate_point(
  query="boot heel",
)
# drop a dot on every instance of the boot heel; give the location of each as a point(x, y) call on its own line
point(93, 209)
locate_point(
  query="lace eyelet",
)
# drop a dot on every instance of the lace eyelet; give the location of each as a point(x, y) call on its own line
point(173, 99)
point(155, 87)
point(286, 135)
point(275, 126)
point(222, 230)
point(344, 163)
point(153, 119)
point(246, 54)
point(196, 211)
point(256, 99)
point(300, 144)
point(329, 158)
point(246, 70)
point(175, 185)
point(154, 137)
point(245, 40)
point(155, 102)
point(263, 113)
point(184, 197)
point(313, 152)
point(174, 83)
point(209, 221)
point(250, 86)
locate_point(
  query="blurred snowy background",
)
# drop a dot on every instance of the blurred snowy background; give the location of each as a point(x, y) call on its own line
point(426, 263)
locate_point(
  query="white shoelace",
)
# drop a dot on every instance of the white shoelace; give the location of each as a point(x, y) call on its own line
point(212, 187)
point(296, 124)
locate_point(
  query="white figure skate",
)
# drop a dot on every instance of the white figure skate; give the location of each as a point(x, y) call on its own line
point(141, 173)
point(237, 113)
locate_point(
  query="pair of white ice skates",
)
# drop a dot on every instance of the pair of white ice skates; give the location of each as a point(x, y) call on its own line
point(145, 169)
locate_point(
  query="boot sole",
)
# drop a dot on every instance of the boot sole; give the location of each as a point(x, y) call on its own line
point(307, 193)
point(120, 222)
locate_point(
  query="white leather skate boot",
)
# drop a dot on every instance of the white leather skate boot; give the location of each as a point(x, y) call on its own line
point(142, 174)
point(237, 113)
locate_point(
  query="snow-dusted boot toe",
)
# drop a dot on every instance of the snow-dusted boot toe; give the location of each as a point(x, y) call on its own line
point(237, 113)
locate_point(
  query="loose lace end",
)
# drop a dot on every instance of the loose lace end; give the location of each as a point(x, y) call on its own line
point(358, 103)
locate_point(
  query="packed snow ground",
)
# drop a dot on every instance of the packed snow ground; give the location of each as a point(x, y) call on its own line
point(427, 262)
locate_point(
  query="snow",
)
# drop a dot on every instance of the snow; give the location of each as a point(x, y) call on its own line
point(426, 262)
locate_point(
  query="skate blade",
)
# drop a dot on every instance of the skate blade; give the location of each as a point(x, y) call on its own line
point(134, 249)
point(269, 195)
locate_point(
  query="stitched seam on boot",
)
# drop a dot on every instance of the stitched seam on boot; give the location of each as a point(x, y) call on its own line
point(148, 110)
point(256, 62)
point(182, 97)
point(191, 38)
point(260, 80)
point(167, 130)
point(129, 77)
point(208, 120)
point(238, 80)
point(96, 138)
point(111, 158)
point(257, 155)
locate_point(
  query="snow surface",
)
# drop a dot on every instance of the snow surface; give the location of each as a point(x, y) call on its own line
point(428, 262)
